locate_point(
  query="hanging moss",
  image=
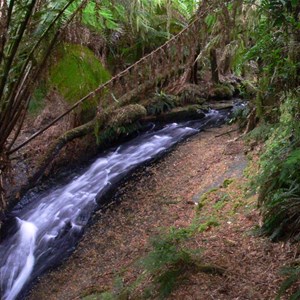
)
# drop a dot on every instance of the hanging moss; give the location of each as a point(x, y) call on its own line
point(77, 72)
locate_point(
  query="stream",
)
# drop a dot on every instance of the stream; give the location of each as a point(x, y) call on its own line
point(46, 229)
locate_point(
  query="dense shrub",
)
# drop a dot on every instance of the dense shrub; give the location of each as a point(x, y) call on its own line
point(279, 178)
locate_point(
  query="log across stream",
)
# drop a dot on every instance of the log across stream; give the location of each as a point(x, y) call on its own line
point(47, 228)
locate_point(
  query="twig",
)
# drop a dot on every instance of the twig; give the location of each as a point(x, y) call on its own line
point(227, 132)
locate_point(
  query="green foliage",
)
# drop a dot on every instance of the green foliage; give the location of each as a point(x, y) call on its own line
point(109, 135)
point(260, 133)
point(227, 182)
point(37, 101)
point(192, 94)
point(147, 25)
point(223, 91)
point(103, 16)
point(161, 103)
point(168, 260)
point(239, 115)
point(210, 222)
point(276, 52)
point(28, 33)
point(164, 266)
point(293, 279)
point(116, 123)
point(279, 177)
point(76, 73)
point(247, 89)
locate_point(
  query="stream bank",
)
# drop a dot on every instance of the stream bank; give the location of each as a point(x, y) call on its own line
point(163, 195)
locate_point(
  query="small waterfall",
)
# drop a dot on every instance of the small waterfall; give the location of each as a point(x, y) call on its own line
point(48, 228)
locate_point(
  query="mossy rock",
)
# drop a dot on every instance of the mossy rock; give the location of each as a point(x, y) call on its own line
point(223, 91)
point(113, 124)
point(76, 73)
point(126, 115)
point(191, 112)
point(192, 94)
point(161, 103)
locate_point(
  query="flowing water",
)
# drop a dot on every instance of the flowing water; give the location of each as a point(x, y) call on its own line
point(46, 229)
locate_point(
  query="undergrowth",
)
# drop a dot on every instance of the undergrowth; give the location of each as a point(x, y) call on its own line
point(165, 266)
point(279, 178)
point(292, 274)
point(161, 103)
point(113, 134)
point(260, 133)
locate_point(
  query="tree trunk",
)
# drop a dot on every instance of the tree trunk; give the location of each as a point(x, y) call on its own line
point(3, 26)
point(194, 73)
point(227, 65)
point(214, 66)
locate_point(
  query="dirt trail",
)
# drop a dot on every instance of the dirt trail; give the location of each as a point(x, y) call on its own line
point(161, 195)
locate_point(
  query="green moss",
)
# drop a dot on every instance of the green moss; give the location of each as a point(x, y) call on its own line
point(205, 196)
point(219, 205)
point(211, 222)
point(115, 123)
point(37, 101)
point(161, 103)
point(77, 72)
point(192, 94)
point(248, 89)
point(127, 115)
point(223, 91)
point(227, 182)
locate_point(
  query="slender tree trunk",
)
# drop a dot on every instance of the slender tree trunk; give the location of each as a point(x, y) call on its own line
point(3, 27)
point(214, 66)
point(194, 73)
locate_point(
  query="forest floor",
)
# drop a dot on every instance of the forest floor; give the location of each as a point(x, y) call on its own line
point(163, 195)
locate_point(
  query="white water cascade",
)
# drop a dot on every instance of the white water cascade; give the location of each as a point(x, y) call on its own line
point(48, 228)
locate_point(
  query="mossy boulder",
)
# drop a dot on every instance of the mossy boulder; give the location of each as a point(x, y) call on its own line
point(126, 115)
point(223, 91)
point(192, 94)
point(76, 72)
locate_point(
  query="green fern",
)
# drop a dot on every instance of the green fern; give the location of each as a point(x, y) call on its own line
point(161, 103)
point(169, 259)
point(279, 177)
point(292, 280)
